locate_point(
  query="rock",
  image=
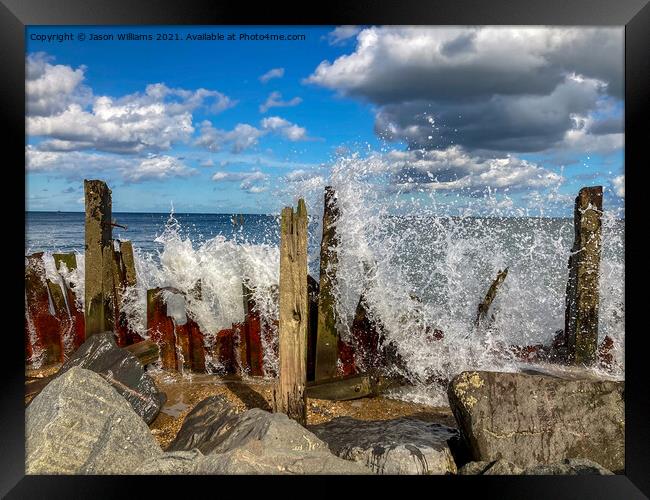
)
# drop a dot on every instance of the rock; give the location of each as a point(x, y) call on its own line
point(531, 419)
point(253, 442)
point(502, 468)
point(204, 428)
point(473, 468)
point(399, 446)
point(572, 466)
point(122, 370)
point(79, 424)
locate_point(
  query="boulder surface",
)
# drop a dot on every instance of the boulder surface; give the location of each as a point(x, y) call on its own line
point(122, 370)
point(252, 442)
point(79, 424)
point(536, 419)
point(400, 446)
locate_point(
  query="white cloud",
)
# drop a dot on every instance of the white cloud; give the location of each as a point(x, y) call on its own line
point(272, 73)
point(487, 88)
point(619, 185)
point(274, 100)
point(240, 138)
point(244, 136)
point(285, 128)
point(251, 182)
point(76, 165)
point(157, 168)
point(65, 112)
point(51, 88)
point(341, 34)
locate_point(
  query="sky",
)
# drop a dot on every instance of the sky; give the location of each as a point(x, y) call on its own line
point(526, 114)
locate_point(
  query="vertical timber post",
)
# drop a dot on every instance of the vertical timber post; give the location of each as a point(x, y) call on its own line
point(582, 294)
point(289, 395)
point(98, 259)
point(327, 335)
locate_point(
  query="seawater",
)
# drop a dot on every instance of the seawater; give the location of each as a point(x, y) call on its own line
point(417, 269)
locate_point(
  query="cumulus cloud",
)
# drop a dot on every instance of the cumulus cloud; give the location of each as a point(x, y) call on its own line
point(285, 128)
point(342, 33)
point(272, 73)
point(488, 88)
point(51, 88)
point(274, 100)
point(251, 182)
point(244, 136)
point(157, 168)
point(79, 164)
point(66, 114)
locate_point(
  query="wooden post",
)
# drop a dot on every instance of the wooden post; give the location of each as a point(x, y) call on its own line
point(289, 395)
point(327, 335)
point(126, 250)
point(581, 316)
point(44, 337)
point(64, 318)
point(98, 259)
point(253, 333)
point(161, 328)
point(76, 312)
point(484, 306)
point(312, 327)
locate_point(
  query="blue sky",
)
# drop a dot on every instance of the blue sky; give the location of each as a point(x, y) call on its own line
point(454, 112)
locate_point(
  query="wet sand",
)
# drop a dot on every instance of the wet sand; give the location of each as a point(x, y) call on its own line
point(183, 393)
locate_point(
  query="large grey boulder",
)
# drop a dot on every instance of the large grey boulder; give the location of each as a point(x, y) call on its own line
point(216, 440)
point(400, 446)
point(79, 424)
point(571, 467)
point(532, 419)
point(122, 370)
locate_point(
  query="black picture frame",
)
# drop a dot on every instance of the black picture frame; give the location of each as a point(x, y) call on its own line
point(15, 15)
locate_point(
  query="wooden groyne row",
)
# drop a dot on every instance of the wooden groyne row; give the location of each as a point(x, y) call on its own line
point(305, 339)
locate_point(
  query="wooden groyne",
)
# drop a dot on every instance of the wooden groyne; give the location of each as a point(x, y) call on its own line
point(313, 357)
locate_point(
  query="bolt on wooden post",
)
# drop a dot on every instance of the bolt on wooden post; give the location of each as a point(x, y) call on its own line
point(98, 258)
point(327, 335)
point(582, 295)
point(289, 395)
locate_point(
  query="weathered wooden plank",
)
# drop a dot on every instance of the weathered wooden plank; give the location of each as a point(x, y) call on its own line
point(253, 333)
point(98, 258)
point(63, 316)
point(126, 250)
point(484, 306)
point(69, 259)
point(223, 350)
point(43, 328)
point(366, 338)
point(327, 336)
point(239, 337)
point(312, 327)
point(183, 354)
point(197, 346)
point(350, 387)
point(582, 294)
point(346, 364)
point(160, 327)
point(147, 351)
point(289, 395)
point(75, 310)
